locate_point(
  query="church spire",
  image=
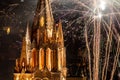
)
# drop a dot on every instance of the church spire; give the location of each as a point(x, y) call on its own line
point(27, 36)
point(23, 56)
point(28, 43)
point(43, 15)
point(43, 21)
point(60, 34)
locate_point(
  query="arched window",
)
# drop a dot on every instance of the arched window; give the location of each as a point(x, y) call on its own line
point(41, 59)
point(48, 59)
point(33, 59)
point(59, 59)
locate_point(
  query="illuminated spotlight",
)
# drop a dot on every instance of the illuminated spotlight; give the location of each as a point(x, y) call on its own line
point(102, 5)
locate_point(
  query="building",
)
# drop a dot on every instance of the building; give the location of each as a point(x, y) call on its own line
point(43, 54)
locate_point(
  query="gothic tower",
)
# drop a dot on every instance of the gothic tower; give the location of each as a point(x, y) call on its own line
point(43, 53)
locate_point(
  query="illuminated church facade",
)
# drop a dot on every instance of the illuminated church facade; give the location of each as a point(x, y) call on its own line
point(43, 55)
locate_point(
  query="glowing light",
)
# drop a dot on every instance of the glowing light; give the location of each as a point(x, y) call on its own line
point(102, 5)
point(17, 78)
point(8, 30)
point(49, 32)
point(27, 79)
point(41, 21)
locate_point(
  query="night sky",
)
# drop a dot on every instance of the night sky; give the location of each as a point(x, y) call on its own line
point(14, 14)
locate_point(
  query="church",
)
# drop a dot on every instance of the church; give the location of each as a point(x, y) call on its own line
point(43, 55)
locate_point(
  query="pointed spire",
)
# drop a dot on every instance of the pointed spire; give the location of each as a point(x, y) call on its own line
point(43, 20)
point(28, 42)
point(60, 33)
point(23, 56)
point(27, 36)
point(49, 16)
point(43, 15)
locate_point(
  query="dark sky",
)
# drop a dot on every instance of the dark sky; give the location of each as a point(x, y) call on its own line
point(14, 14)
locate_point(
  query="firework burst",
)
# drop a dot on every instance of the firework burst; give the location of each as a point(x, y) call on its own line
point(102, 32)
point(103, 16)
